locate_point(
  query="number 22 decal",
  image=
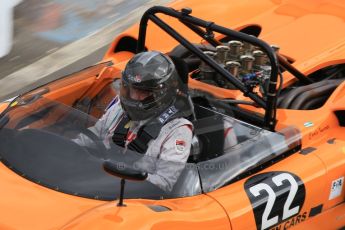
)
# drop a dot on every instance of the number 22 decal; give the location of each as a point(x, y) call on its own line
point(275, 197)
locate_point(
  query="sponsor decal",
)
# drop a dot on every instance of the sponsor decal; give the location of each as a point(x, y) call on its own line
point(308, 124)
point(276, 197)
point(180, 146)
point(167, 114)
point(318, 131)
point(336, 188)
point(292, 222)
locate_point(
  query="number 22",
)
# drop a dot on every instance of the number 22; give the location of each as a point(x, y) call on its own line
point(287, 211)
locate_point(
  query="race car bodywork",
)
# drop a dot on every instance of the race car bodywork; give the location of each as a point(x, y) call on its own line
point(287, 170)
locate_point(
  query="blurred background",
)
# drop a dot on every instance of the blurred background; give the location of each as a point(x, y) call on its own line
point(42, 40)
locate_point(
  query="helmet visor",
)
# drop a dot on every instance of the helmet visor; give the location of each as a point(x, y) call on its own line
point(140, 98)
point(135, 93)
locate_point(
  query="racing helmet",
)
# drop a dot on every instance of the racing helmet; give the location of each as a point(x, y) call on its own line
point(150, 85)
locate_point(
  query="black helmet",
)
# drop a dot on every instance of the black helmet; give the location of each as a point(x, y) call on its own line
point(154, 76)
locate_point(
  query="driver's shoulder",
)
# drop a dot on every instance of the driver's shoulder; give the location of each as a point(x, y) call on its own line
point(177, 126)
point(178, 122)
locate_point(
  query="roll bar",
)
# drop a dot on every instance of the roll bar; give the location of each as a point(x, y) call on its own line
point(205, 30)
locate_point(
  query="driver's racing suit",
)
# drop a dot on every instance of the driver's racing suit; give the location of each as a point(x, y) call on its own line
point(173, 143)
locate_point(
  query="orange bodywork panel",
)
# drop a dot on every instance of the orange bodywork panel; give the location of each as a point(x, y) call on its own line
point(3, 106)
point(199, 212)
point(305, 32)
point(29, 205)
point(25, 204)
point(303, 29)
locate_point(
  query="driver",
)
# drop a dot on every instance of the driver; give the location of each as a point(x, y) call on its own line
point(149, 116)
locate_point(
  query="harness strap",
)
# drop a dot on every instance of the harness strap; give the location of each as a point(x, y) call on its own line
point(146, 133)
point(144, 136)
point(120, 132)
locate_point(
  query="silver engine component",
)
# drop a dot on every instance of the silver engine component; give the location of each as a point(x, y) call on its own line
point(244, 61)
point(222, 54)
point(233, 67)
point(235, 50)
point(247, 63)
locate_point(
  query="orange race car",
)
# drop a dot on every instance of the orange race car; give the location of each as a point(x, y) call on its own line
point(286, 107)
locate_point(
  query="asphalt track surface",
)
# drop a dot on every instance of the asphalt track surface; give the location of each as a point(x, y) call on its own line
point(52, 58)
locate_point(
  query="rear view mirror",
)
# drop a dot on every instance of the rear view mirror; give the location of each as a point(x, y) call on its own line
point(119, 169)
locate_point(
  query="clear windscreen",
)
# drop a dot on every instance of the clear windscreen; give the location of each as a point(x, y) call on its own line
point(41, 142)
point(46, 148)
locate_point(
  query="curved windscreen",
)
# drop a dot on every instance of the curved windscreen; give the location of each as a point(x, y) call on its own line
point(44, 141)
point(50, 153)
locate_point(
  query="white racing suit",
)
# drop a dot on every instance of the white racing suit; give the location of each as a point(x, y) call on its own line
point(173, 143)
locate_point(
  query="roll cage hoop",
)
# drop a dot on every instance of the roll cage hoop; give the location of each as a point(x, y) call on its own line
point(205, 30)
